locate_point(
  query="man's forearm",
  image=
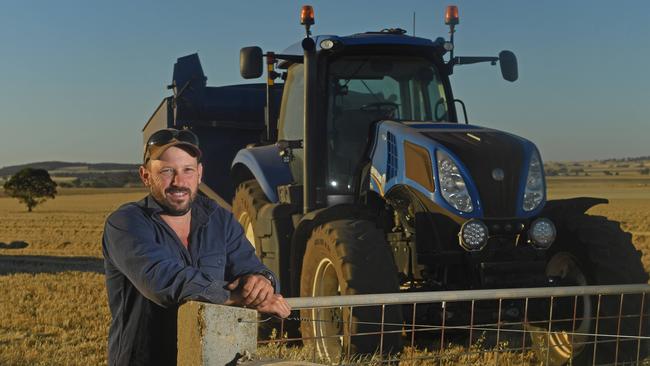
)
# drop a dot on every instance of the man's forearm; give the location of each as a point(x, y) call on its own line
point(163, 279)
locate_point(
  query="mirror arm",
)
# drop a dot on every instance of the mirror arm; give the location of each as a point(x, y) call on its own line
point(466, 60)
point(292, 58)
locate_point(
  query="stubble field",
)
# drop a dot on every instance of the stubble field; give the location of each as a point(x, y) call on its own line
point(53, 308)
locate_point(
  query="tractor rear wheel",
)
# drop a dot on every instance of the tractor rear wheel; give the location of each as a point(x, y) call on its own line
point(346, 257)
point(591, 250)
point(249, 199)
point(246, 205)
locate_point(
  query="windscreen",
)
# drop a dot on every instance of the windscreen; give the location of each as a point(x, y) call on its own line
point(399, 88)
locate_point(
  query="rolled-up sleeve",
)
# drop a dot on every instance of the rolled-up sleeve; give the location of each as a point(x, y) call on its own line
point(130, 245)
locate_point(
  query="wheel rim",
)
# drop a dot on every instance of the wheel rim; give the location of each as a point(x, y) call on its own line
point(558, 347)
point(328, 324)
point(245, 221)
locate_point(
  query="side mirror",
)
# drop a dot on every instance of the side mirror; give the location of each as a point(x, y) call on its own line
point(250, 62)
point(508, 63)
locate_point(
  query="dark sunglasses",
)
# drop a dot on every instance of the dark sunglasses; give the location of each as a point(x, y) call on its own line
point(163, 137)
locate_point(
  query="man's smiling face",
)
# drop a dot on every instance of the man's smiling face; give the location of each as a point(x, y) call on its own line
point(173, 180)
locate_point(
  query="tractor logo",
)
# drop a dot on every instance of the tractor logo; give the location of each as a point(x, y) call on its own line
point(498, 174)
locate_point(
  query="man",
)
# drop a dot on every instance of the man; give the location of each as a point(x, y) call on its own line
point(174, 246)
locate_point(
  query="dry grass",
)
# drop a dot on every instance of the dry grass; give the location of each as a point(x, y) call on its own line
point(70, 224)
point(54, 312)
point(451, 355)
point(53, 319)
point(53, 308)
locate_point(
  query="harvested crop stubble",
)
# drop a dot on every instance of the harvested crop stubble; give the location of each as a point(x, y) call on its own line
point(53, 319)
point(53, 308)
point(71, 224)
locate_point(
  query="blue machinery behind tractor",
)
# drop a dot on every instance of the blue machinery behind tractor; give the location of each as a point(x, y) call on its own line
point(353, 175)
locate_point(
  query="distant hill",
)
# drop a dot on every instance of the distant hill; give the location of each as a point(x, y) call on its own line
point(55, 167)
point(77, 174)
point(631, 167)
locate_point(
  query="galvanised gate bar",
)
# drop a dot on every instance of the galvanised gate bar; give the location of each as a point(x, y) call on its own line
point(605, 325)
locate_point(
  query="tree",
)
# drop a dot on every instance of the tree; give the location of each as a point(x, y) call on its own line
point(31, 186)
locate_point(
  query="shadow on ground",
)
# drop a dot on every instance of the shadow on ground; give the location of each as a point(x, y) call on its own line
point(14, 245)
point(48, 264)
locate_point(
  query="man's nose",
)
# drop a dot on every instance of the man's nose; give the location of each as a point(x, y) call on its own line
point(177, 180)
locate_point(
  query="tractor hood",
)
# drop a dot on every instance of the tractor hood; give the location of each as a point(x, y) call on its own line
point(482, 151)
point(493, 164)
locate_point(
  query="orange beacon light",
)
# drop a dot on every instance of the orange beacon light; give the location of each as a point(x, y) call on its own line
point(451, 15)
point(307, 15)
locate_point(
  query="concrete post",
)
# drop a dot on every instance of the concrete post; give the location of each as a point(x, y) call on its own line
point(214, 335)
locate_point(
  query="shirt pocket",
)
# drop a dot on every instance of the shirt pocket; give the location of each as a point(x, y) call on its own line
point(213, 265)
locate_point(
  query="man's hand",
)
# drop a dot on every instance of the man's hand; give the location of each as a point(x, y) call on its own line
point(250, 290)
point(276, 305)
point(255, 291)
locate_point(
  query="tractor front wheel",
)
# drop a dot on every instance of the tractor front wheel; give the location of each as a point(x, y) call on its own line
point(591, 250)
point(346, 257)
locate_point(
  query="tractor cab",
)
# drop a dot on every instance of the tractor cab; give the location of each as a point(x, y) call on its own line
point(337, 87)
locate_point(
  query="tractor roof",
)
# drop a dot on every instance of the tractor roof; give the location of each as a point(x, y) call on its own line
point(389, 37)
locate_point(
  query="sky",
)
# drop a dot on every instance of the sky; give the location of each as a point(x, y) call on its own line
point(80, 78)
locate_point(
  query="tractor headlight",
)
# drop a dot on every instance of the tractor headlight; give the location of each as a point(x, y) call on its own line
point(473, 235)
point(542, 233)
point(534, 192)
point(452, 184)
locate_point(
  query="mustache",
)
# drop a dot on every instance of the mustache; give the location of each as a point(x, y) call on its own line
point(172, 190)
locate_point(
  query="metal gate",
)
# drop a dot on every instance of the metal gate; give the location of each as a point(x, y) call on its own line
point(553, 325)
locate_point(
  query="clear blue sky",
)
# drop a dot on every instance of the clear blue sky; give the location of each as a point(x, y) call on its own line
point(80, 78)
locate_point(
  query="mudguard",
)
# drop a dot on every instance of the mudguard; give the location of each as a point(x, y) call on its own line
point(266, 166)
point(563, 209)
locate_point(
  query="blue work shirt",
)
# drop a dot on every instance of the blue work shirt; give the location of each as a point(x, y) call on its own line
point(149, 273)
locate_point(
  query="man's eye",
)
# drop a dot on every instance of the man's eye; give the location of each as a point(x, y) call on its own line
point(166, 171)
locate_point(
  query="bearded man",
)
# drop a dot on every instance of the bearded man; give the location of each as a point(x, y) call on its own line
point(173, 246)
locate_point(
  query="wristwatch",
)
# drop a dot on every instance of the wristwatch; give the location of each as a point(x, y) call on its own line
point(269, 276)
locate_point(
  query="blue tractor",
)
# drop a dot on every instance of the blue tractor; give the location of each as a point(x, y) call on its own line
point(352, 173)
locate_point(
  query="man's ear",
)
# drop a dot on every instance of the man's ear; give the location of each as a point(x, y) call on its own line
point(200, 171)
point(145, 175)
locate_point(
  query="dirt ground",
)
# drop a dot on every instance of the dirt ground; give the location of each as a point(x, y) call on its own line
point(54, 308)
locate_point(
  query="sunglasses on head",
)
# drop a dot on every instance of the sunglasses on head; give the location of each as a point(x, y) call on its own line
point(166, 136)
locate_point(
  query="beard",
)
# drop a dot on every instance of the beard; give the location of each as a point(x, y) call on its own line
point(171, 206)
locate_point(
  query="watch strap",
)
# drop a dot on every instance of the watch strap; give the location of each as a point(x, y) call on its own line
point(269, 276)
